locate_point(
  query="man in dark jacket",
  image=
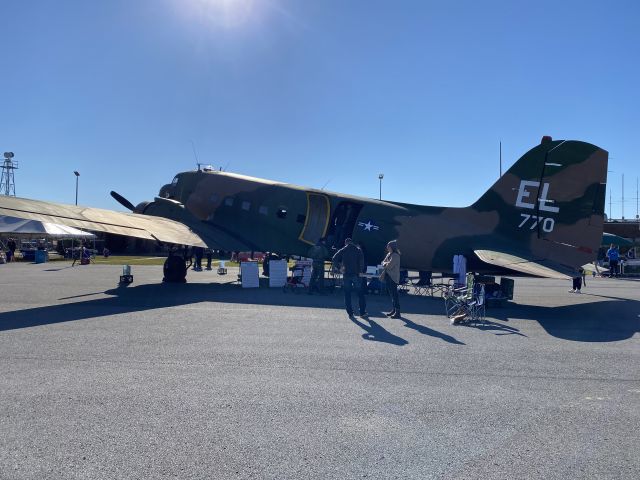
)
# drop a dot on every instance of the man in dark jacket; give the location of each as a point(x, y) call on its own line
point(351, 259)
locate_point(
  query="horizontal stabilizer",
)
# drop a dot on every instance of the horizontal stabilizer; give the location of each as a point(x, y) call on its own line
point(536, 267)
point(97, 219)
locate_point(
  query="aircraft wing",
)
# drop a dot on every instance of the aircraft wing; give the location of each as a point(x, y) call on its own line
point(537, 267)
point(97, 219)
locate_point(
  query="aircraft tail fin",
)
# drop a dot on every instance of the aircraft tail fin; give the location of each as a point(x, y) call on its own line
point(550, 203)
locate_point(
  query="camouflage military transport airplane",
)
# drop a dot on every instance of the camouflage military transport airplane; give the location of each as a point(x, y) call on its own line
point(543, 217)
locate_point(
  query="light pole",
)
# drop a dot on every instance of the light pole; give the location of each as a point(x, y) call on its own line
point(610, 197)
point(380, 177)
point(77, 174)
point(73, 244)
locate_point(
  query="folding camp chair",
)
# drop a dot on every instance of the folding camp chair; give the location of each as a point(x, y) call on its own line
point(477, 306)
point(424, 285)
point(466, 304)
point(456, 302)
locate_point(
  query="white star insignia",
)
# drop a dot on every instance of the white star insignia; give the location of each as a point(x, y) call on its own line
point(369, 226)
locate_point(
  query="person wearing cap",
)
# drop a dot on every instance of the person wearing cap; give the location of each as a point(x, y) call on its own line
point(391, 276)
point(351, 259)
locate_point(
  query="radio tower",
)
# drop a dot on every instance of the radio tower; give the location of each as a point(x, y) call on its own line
point(8, 183)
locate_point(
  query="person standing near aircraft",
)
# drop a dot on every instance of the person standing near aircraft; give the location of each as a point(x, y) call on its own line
point(614, 257)
point(351, 259)
point(391, 276)
point(79, 255)
point(209, 254)
point(577, 282)
point(198, 253)
point(318, 253)
point(11, 250)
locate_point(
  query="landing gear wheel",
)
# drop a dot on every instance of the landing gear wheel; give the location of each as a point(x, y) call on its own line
point(175, 269)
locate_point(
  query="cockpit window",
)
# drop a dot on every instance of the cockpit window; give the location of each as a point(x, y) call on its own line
point(174, 182)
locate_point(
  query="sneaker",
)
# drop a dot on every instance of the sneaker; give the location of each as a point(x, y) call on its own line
point(390, 314)
point(572, 291)
point(577, 291)
point(396, 315)
point(364, 315)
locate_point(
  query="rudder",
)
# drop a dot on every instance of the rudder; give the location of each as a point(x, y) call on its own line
point(551, 202)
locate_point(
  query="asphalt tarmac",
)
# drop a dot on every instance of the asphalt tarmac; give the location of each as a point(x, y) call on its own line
point(209, 381)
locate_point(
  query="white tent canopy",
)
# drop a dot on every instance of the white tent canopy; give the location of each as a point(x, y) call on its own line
point(33, 227)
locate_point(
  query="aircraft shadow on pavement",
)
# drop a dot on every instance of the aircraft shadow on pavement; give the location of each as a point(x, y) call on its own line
point(604, 321)
point(609, 320)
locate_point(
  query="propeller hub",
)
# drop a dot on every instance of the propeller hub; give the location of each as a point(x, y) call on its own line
point(141, 207)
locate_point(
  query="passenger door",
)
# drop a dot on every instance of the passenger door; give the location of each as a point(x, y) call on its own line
point(317, 219)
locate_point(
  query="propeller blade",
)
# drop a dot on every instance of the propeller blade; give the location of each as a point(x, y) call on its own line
point(123, 201)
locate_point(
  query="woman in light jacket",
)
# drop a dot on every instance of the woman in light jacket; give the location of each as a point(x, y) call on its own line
point(391, 276)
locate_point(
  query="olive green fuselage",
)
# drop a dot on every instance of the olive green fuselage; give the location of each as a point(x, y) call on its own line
point(547, 209)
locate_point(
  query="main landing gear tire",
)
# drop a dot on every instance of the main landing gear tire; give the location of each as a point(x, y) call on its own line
point(175, 269)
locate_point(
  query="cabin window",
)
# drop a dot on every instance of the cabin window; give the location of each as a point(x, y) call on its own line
point(228, 201)
point(282, 213)
point(246, 205)
point(264, 210)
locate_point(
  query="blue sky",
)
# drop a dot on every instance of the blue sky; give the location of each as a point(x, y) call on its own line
point(312, 92)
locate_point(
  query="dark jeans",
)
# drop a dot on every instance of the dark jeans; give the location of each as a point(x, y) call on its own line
point(613, 267)
point(349, 283)
point(392, 288)
point(577, 283)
